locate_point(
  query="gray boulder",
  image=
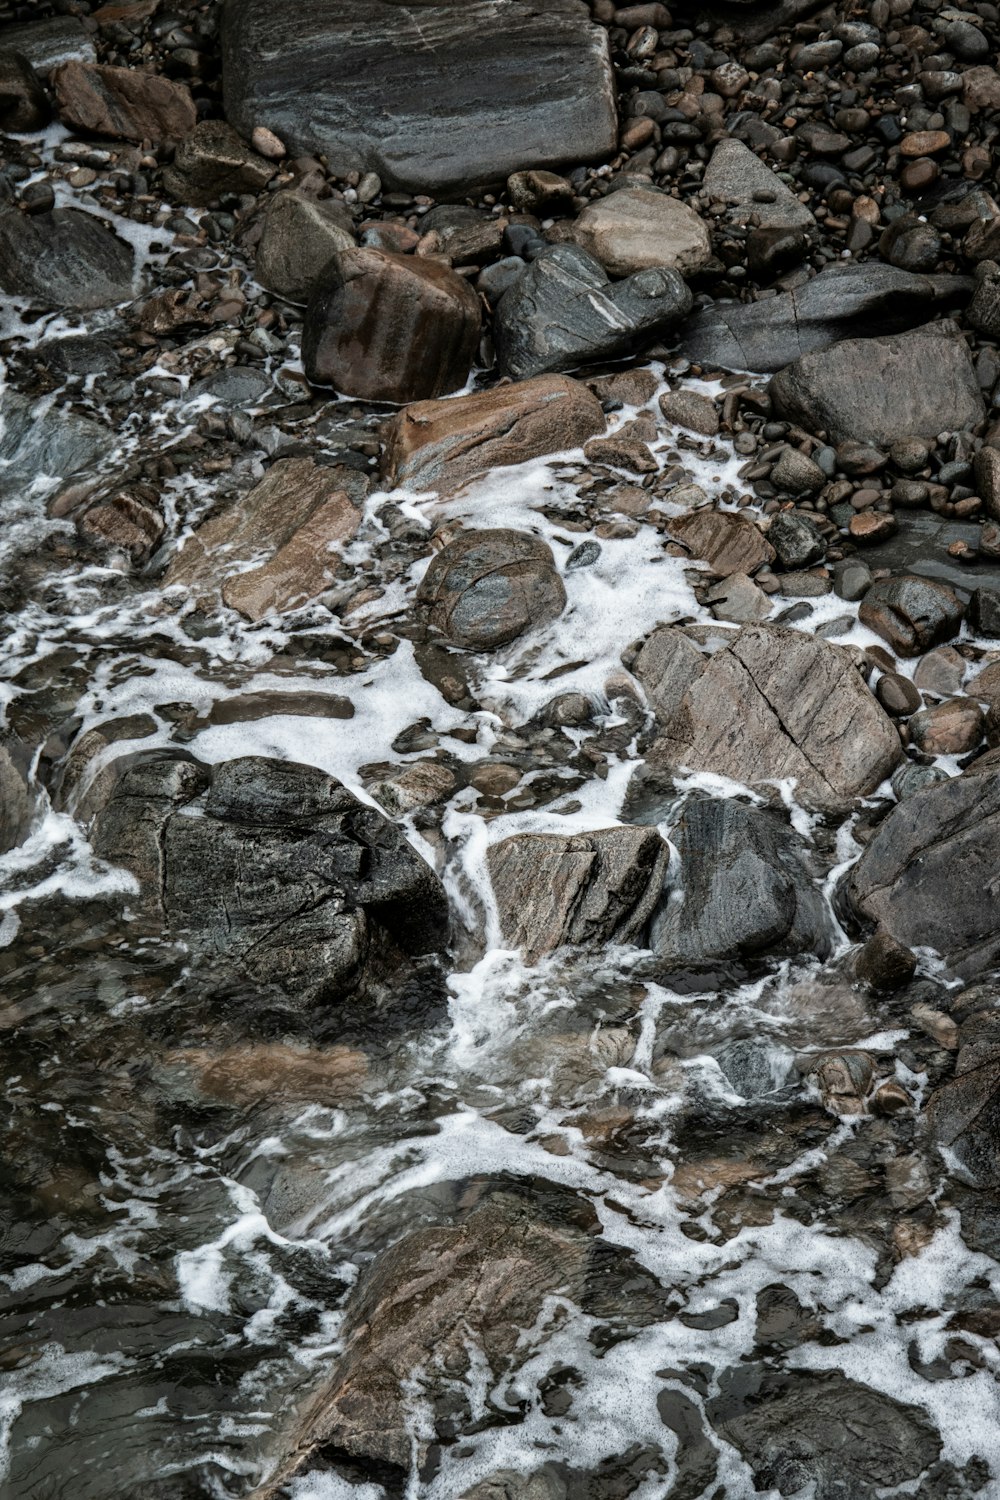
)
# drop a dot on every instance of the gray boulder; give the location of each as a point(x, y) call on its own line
point(433, 97)
point(299, 237)
point(872, 390)
point(64, 259)
point(564, 312)
point(587, 889)
point(844, 301)
point(486, 588)
point(742, 887)
point(780, 705)
point(928, 875)
point(737, 177)
point(274, 867)
point(50, 41)
point(38, 439)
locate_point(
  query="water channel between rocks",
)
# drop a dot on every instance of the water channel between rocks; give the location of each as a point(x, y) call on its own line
point(193, 1196)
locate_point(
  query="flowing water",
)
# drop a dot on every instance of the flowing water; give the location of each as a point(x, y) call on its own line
point(193, 1185)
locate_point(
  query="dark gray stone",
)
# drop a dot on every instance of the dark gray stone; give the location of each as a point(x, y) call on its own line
point(564, 312)
point(797, 540)
point(877, 389)
point(50, 42)
point(64, 259)
point(432, 97)
point(274, 867)
point(928, 873)
point(23, 101)
point(921, 544)
point(488, 587)
point(867, 299)
point(912, 614)
point(39, 439)
point(740, 179)
point(742, 888)
point(299, 237)
point(964, 1114)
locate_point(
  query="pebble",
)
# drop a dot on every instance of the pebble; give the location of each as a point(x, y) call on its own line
point(266, 143)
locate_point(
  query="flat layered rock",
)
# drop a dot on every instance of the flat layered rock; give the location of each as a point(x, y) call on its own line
point(639, 228)
point(432, 97)
point(442, 445)
point(875, 390)
point(843, 301)
point(738, 178)
point(779, 705)
point(928, 876)
point(123, 103)
point(587, 889)
point(727, 541)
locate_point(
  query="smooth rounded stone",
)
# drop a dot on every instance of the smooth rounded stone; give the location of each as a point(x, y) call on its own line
point(737, 598)
point(24, 104)
point(884, 964)
point(912, 614)
point(585, 890)
point(496, 279)
point(820, 1432)
point(621, 452)
point(897, 695)
point(984, 612)
point(640, 229)
point(728, 542)
point(486, 588)
point(123, 103)
point(911, 245)
point(770, 251)
point(796, 473)
point(692, 410)
point(741, 886)
point(872, 390)
point(909, 779)
point(909, 454)
point(951, 728)
point(860, 459)
point(564, 312)
point(212, 160)
point(299, 237)
point(862, 299)
point(870, 527)
point(910, 493)
point(478, 90)
point(390, 327)
point(778, 705)
point(852, 579)
point(966, 41)
point(796, 539)
point(737, 177)
point(926, 874)
point(64, 259)
point(273, 867)
point(443, 445)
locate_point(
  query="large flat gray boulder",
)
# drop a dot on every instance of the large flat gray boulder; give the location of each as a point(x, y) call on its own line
point(876, 390)
point(432, 97)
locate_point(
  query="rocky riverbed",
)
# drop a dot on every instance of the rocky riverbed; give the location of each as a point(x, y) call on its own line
point(500, 760)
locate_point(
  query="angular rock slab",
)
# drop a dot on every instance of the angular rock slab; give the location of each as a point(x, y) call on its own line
point(64, 259)
point(777, 704)
point(123, 103)
point(843, 301)
point(586, 889)
point(743, 887)
point(929, 874)
point(738, 177)
point(913, 384)
point(273, 866)
point(564, 312)
point(486, 588)
point(432, 97)
point(390, 327)
point(964, 1113)
point(443, 445)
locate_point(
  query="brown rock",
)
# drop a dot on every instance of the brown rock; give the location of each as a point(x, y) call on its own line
point(691, 410)
point(126, 521)
point(728, 542)
point(924, 142)
point(124, 103)
point(390, 327)
point(588, 889)
point(941, 672)
point(911, 613)
point(486, 588)
point(274, 1073)
point(212, 160)
point(641, 229)
point(630, 387)
point(987, 474)
point(293, 493)
point(777, 704)
point(870, 526)
point(897, 695)
point(981, 88)
point(951, 728)
point(885, 964)
point(443, 445)
point(621, 453)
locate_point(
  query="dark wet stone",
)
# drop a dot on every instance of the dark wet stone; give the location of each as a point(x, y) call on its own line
point(885, 964)
point(920, 546)
point(64, 259)
point(984, 612)
point(272, 866)
point(477, 91)
point(800, 1428)
point(743, 887)
point(926, 876)
point(912, 614)
point(877, 389)
point(211, 160)
point(24, 104)
point(865, 299)
point(37, 440)
point(564, 312)
point(797, 540)
point(50, 41)
point(488, 587)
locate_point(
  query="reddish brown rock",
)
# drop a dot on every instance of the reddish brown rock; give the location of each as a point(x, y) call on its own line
point(123, 103)
point(390, 327)
point(951, 728)
point(442, 445)
point(728, 542)
point(127, 521)
point(302, 568)
point(212, 160)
